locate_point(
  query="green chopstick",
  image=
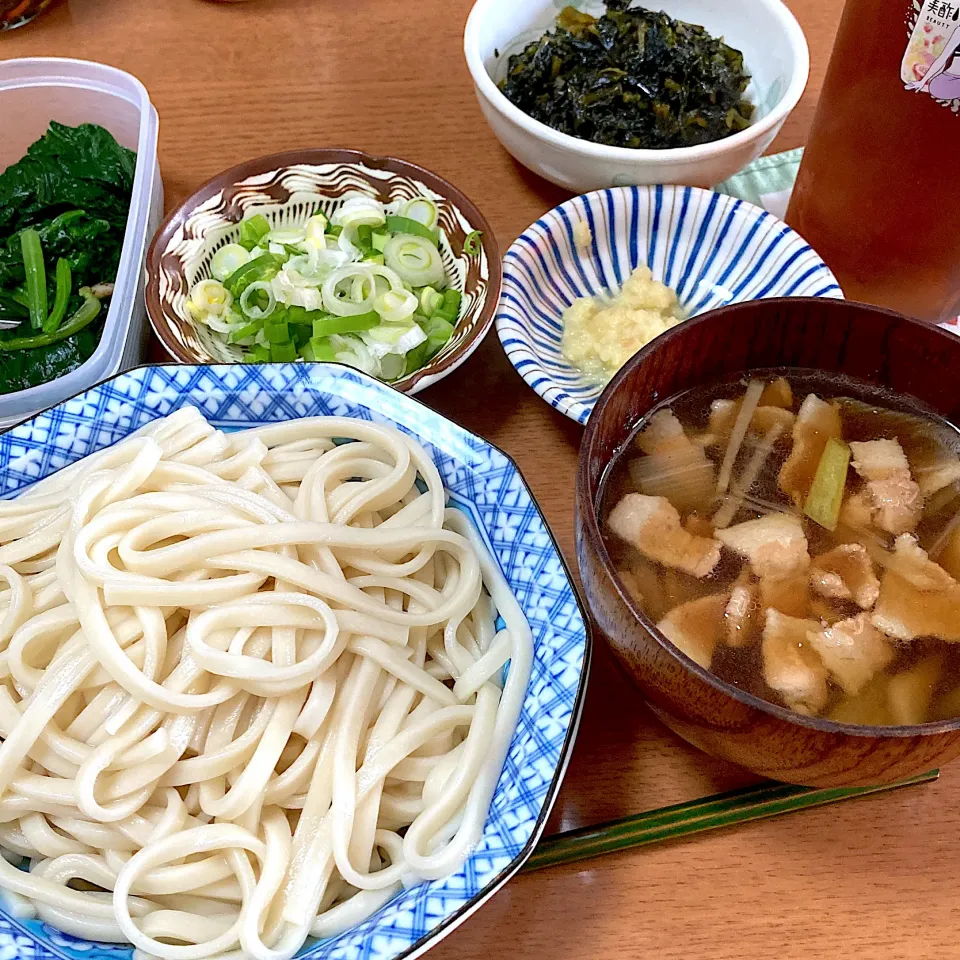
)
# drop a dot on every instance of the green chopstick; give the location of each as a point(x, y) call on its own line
point(696, 816)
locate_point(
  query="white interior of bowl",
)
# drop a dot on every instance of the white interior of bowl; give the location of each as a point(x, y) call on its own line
point(763, 30)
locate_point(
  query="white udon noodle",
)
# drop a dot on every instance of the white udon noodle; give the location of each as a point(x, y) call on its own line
point(249, 685)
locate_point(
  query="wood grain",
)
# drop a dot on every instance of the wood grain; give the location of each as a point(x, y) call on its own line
point(872, 877)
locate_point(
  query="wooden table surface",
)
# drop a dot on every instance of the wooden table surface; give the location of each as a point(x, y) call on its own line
point(866, 877)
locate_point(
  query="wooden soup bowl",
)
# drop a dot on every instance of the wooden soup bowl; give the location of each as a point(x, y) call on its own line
point(830, 335)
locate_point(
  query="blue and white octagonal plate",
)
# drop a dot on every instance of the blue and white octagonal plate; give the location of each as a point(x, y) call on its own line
point(483, 482)
point(712, 249)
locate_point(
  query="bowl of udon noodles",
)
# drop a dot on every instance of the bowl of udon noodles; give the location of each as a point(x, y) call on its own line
point(768, 519)
point(289, 665)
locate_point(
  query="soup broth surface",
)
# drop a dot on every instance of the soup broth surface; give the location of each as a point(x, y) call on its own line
point(798, 535)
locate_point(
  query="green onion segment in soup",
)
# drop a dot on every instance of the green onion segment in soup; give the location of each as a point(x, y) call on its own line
point(798, 535)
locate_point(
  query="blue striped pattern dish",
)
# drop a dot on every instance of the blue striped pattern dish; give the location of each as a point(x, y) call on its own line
point(712, 249)
point(482, 482)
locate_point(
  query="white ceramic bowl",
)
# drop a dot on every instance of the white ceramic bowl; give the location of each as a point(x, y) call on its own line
point(774, 50)
point(712, 249)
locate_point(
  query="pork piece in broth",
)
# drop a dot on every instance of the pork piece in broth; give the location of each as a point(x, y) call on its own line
point(775, 546)
point(893, 494)
point(652, 525)
point(846, 573)
point(798, 536)
point(791, 666)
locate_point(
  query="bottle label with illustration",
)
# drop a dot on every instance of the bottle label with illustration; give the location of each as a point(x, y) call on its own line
point(931, 64)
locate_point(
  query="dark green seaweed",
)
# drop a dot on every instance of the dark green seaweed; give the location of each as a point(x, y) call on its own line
point(73, 187)
point(631, 78)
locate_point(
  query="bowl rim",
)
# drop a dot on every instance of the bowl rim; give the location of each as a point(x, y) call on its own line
point(624, 155)
point(533, 372)
point(449, 923)
point(318, 156)
point(587, 508)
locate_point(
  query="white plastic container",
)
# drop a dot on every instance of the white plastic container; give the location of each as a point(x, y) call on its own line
point(32, 93)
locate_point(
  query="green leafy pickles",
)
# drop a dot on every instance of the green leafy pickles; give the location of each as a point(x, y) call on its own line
point(631, 78)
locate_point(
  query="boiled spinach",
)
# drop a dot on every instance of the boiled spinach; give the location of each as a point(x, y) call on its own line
point(73, 187)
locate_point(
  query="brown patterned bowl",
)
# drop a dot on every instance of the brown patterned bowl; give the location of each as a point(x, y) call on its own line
point(291, 186)
point(831, 335)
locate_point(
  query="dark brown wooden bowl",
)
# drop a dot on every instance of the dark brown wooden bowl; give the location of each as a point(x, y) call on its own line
point(831, 335)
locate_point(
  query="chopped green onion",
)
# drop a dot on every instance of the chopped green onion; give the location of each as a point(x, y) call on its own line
point(404, 225)
point(253, 230)
point(430, 300)
point(374, 258)
point(379, 240)
point(287, 237)
point(209, 297)
point(228, 260)
point(392, 366)
point(315, 228)
point(242, 333)
point(826, 491)
point(357, 323)
point(396, 306)
point(262, 268)
point(449, 310)
point(258, 354)
point(471, 244)
point(416, 358)
point(334, 229)
point(322, 350)
point(277, 333)
point(36, 275)
point(438, 332)
point(415, 260)
point(351, 289)
point(301, 333)
point(357, 210)
point(282, 352)
point(61, 298)
point(85, 315)
point(421, 210)
point(256, 309)
point(365, 236)
point(297, 314)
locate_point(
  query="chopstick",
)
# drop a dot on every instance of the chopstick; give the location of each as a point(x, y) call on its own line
point(696, 816)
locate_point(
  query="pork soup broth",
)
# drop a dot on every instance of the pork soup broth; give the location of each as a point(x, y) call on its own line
point(799, 536)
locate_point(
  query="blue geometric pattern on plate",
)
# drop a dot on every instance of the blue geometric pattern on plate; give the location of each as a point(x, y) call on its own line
point(484, 483)
point(712, 249)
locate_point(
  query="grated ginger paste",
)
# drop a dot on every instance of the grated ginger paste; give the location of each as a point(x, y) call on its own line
point(600, 335)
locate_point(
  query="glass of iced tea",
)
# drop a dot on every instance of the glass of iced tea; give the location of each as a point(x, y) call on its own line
point(16, 13)
point(877, 192)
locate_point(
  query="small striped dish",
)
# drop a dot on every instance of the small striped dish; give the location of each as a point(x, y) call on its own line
point(712, 249)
